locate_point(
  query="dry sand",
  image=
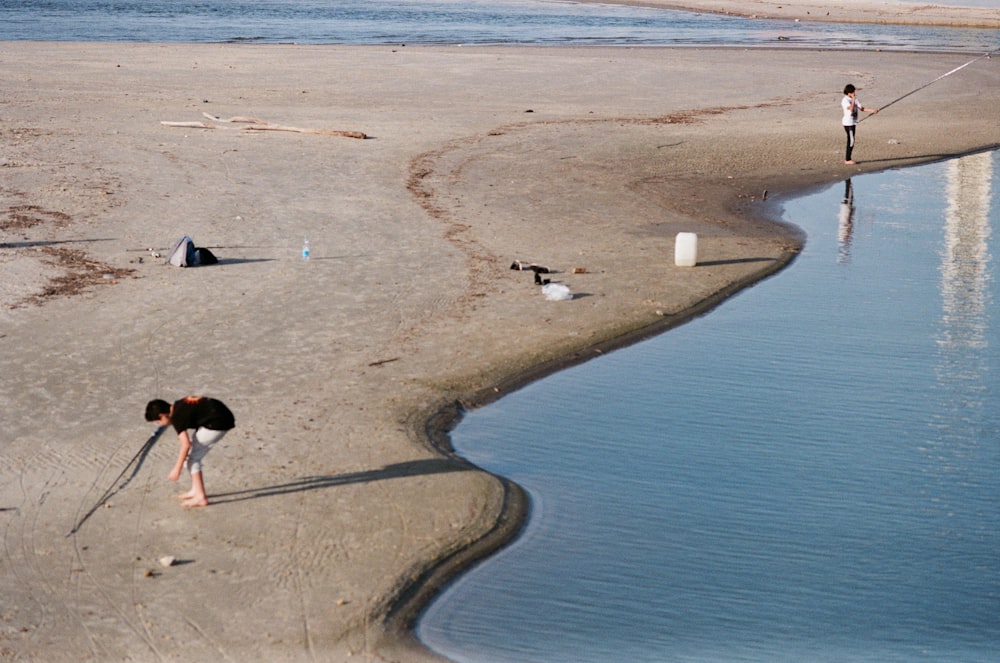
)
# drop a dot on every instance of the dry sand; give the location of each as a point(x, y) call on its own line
point(334, 514)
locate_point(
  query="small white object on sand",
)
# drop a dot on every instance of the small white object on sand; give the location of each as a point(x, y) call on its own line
point(556, 292)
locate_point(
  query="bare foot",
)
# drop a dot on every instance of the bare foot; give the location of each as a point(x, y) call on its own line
point(185, 496)
point(849, 163)
point(193, 502)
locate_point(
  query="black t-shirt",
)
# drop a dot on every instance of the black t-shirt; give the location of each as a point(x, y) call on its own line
point(201, 412)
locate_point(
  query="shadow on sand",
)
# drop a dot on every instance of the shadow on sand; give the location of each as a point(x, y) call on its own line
point(394, 471)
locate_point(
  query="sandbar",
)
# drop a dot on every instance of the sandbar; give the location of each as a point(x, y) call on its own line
point(337, 507)
point(844, 11)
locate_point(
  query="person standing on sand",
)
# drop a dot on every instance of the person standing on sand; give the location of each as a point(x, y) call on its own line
point(208, 420)
point(851, 105)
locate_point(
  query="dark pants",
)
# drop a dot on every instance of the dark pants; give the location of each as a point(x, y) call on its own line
point(850, 141)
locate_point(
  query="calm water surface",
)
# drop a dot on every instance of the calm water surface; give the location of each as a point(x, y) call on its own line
point(443, 22)
point(811, 472)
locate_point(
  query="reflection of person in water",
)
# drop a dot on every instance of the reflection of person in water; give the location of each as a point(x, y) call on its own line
point(846, 226)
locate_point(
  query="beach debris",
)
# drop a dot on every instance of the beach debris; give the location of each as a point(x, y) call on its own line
point(686, 249)
point(189, 125)
point(525, 266)
point(321, 132)
point(149, 573)
point(239, 119)
point(255, 124)
point(167, 561)
point(556, 292)
point(553, 291)
point(79, 274)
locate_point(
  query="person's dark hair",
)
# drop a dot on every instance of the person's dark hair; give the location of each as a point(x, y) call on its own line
point(848, 89)
point(155, 408)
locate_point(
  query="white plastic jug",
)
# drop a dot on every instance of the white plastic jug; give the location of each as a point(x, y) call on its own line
point(686, 250)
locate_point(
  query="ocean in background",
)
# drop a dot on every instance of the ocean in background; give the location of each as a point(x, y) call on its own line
point(469, 22)
point(810, 472)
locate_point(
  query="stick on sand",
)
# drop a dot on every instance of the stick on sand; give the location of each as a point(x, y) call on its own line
point(189, 125)
point(115, 486)
point(321, 132)
point(254, 124)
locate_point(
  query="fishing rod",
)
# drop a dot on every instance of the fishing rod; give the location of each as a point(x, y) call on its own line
point(140, 456)
point(984, 56)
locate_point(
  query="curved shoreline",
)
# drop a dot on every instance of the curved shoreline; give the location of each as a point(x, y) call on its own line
point(406, 608)
point(408, 605)
point(458, 638)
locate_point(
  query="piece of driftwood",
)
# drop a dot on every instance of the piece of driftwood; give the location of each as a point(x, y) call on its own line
point(239, 119)
point(254, 124)
point(321, 132)
point(189, 125)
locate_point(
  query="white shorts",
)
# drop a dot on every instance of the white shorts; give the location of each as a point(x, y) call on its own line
point(202, 441)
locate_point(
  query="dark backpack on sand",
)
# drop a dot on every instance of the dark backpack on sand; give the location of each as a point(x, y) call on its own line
point(203, 256)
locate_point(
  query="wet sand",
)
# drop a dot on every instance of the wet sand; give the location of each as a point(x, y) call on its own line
point(337, 509)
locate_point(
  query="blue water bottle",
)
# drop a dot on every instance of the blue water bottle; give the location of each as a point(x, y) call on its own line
point(305, 248)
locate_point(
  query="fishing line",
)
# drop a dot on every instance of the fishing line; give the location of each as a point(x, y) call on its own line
point(137, 460)
point(959, 68)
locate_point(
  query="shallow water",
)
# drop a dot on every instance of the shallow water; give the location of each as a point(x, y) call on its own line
point(808, 473)
point(443, 22)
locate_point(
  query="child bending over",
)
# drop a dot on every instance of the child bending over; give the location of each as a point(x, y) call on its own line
point(200, 422)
